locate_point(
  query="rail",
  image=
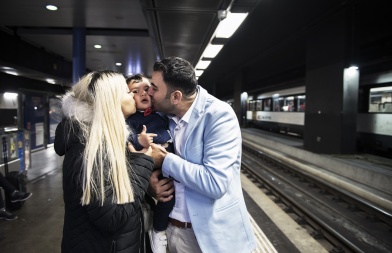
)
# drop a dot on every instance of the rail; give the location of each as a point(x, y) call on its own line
point(328, 203)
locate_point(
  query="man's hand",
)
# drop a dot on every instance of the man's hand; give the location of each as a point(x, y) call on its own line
point(162, 189)
point(146, 151)
point(158, 153)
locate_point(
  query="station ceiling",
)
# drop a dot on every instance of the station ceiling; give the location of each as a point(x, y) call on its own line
point(138, 32)
point(133, 32)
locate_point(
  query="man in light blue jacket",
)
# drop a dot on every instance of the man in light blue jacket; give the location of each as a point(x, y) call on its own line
point(210, 213)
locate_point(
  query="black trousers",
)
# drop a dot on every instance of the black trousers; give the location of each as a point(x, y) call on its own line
point(8, 188)
point(161, 213)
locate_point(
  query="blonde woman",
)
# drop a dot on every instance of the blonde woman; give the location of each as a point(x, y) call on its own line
point(103, 181)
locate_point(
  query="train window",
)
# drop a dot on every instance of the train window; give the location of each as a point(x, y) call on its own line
point(275, 103)
point(380, 99)
point(278, 104)
point(258, 105)
point(301, 103)
point(267, 104)
point(250, 105)
point(288, 104)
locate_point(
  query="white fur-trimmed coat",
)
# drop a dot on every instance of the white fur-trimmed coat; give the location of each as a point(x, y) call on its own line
point(95, 228)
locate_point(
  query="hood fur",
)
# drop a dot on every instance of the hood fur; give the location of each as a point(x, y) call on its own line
point(73, 108)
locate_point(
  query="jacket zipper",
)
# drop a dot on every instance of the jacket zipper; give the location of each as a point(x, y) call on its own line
point(113, 249)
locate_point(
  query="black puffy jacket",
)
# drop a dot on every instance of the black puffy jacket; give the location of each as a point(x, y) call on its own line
point(95, 228)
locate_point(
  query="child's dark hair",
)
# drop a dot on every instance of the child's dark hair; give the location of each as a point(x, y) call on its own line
point(137, 78)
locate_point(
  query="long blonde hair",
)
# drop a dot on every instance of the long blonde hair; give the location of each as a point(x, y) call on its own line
point(105, 163)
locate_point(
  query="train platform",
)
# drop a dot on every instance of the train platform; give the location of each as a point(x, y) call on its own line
point(367, 176)
point(40, 220)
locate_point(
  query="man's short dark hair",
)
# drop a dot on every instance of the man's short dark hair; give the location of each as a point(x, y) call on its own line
point(178, 73)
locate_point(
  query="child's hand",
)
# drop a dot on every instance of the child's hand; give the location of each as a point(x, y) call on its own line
point(145, 139)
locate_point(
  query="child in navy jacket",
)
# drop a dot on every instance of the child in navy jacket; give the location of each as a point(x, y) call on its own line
point(158, 129)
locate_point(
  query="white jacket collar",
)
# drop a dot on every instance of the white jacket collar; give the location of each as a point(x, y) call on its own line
point(73, 108)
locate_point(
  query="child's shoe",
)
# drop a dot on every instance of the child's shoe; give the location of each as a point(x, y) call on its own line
point(158, 241)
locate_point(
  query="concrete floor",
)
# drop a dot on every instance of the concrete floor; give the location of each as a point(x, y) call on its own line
point(38, 228)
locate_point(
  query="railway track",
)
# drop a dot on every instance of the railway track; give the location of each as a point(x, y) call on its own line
point(338, 218)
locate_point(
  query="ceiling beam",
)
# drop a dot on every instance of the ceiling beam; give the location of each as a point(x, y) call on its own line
point(89, 31)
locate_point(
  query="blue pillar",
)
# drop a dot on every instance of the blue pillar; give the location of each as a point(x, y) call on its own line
point(79, 53)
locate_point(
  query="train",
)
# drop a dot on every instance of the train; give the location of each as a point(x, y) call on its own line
point(283, 111)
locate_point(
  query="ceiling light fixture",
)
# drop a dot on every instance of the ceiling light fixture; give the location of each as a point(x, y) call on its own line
point(212, 50)
point(388, 88)
point(10, 95)
point(51, 7)
point(202, 64)
point(7, 68)
point(49, 80)
point(10, 72)
point(198, 72)
point(229, 23)
point(118, 64)
point(97, 46)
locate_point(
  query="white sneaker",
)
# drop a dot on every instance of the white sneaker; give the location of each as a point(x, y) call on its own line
point(158, 241)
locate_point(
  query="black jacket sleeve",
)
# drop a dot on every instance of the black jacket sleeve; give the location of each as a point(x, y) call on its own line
point(67, 137)
point(59, 141)
point(111, 217)
point(142, 166)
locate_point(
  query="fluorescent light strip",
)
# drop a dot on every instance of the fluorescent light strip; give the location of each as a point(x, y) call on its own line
point(230, 24)
point(203, 64)
point(225, 29)
point(212, 50)
point(198, 72)
point(10, 95)
point(389, 88)
point(52, 81)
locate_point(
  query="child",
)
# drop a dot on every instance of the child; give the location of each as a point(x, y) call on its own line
point(158, 124)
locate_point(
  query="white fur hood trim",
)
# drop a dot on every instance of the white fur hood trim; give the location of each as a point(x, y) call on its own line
point(73, 108)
